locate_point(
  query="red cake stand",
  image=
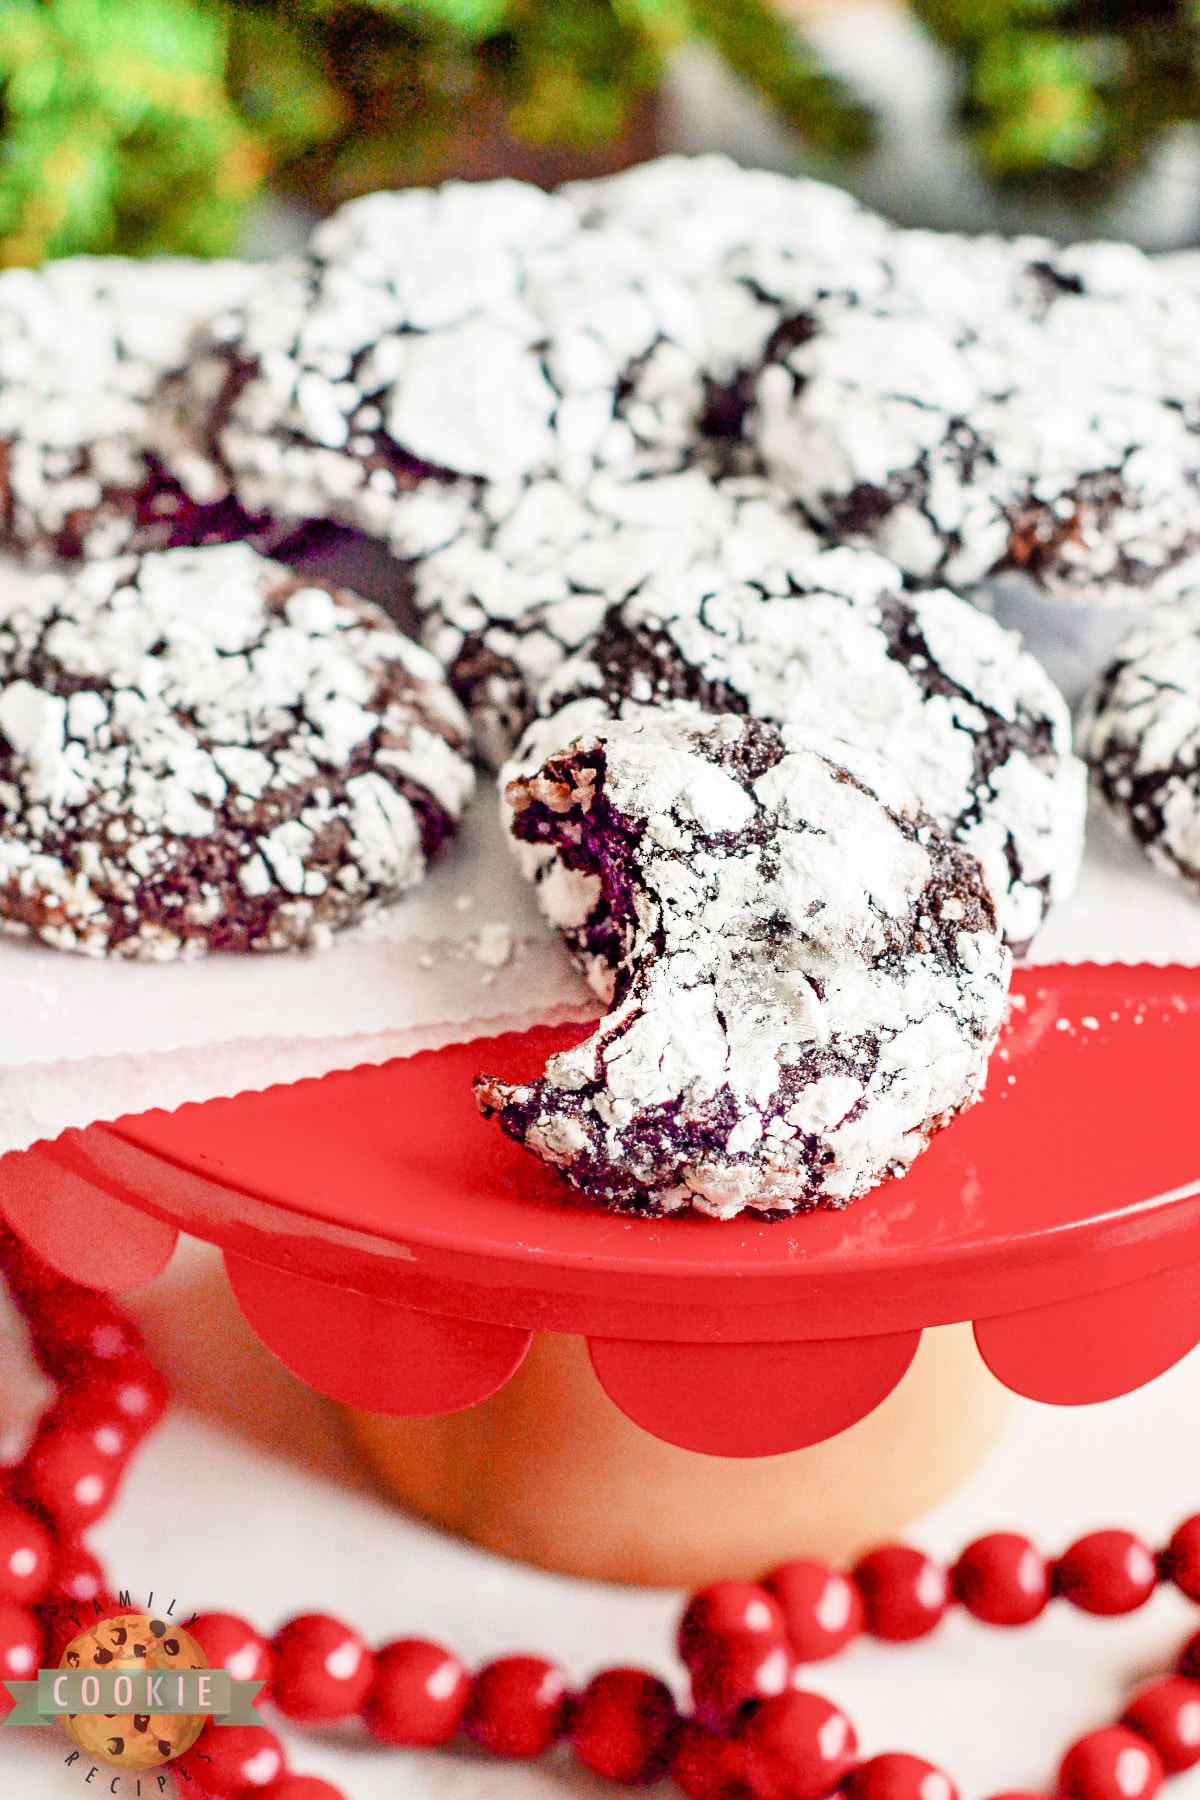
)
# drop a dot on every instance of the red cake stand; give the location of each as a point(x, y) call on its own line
point(397, 1252)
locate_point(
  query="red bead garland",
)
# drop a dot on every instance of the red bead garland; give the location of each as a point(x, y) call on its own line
point(822, 1608)
point(20, 1646)
point(26, 1556)
point(231, 1762)
point(230, 1643)
point(1113, 1764)
point(897, 1776)
point(798, 1747)
point(755, 1733)
point(1180, 1561)
point(706, 1766)
point(733, 1642)
point(1167, 1715)
point(78, 1576)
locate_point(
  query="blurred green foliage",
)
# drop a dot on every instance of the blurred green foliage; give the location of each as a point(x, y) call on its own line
point(1071, 93)
point(143, 125)
point(147, 125)
point(119, 132)
point(393, 80)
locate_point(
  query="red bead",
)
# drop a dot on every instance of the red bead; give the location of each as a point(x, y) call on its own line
point(1167, 1715)
point(227, 1762)
point(112, 1438)
point(78, 1575)
point(897, 1776)
point(300, 1787)
point(1002, 1579)
point(905, 1594)
point(323, 1669)
point(733, 1641)
point(26, 1556)
point(708, 1767)
point(1107, 1572)
point(1113, 1764)
point(1180, 1560)
point(74, 1328)
point(737, 1676)
point(31, 1282)
point(727, 1611)
point(130, 1391)
point(1189, 1659)
point(66, 1474)
point(419, 1694)
point(798, 1747)
point(621, 1726)
point(822, 1609)
point(20, 1648)
point(516, 1706)
point(230, 1643)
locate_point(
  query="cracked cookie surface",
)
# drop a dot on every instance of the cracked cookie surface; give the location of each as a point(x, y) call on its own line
point(475, 334)
point(830, 638)
point(85, 344)
point(973, 405)
point(202, 751)
point(1140, 732)
point(806, 980)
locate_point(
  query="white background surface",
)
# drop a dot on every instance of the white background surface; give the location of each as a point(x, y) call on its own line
point(253, 1506)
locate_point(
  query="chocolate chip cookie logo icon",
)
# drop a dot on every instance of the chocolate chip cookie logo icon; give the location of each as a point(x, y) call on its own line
point(133, 1691)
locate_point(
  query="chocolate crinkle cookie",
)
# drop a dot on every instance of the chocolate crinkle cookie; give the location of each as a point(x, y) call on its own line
point(942, 693)
point(476, 334)
point(85, 346)
point(808, 975)
point(525, 583)
point(1141, 734)
point(971, 405)
point(200, 751)
point(963, 405)
point(966, 405)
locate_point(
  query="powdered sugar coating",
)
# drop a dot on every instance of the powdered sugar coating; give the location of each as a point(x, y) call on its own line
point(478, 332)
point(200, 751)
point(808, 985)
point(943, 694)
point(963, 405)
point(84, 345)
point(975, 405)
point(524, 581)
point(1141, 733)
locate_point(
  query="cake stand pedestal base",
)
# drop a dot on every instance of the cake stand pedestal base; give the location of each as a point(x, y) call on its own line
point(550, 1472)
